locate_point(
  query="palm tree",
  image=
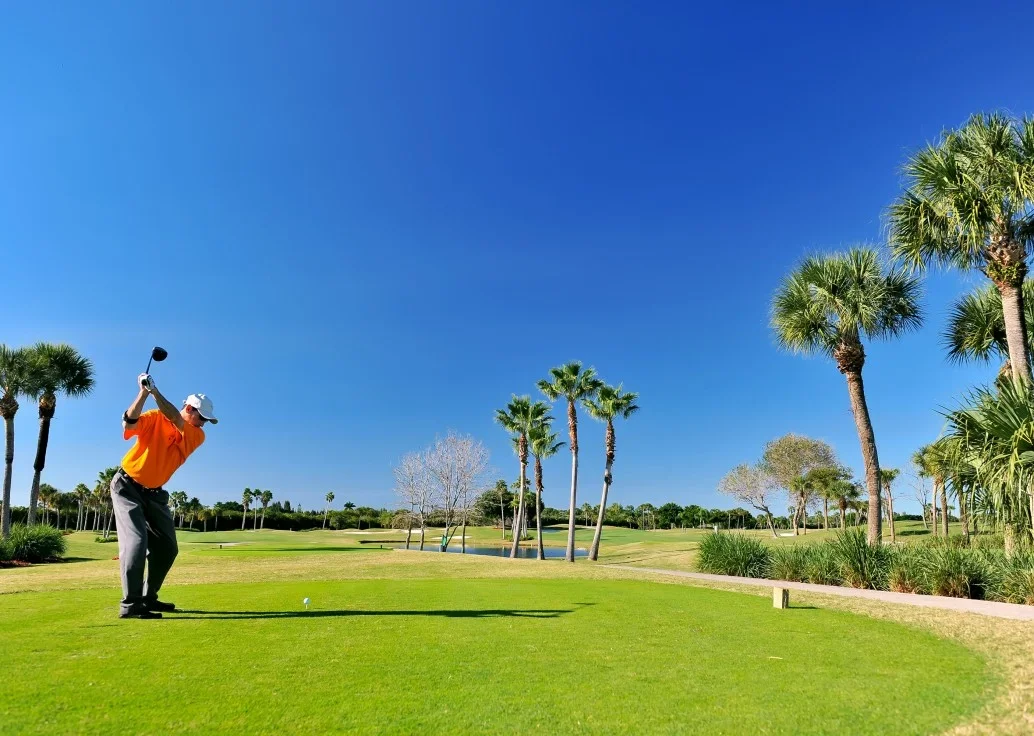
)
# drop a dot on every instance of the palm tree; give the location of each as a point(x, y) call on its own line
point(326, 509)
point(820, 480)
point(103, 492)
point(976, 326)
point(609, 403)
point(846, 494)
point(571, 382)
point(994, 435)
point(518, 418)
point(246, 498)
point(827, 306)
point(923, 469)
point(543, 444)
point(13, 380)
point(53, 369)
point(48, 498)
point(265, 497)
point(889, 475)
point(81, 493)
point(968, 205)
point(178, 501)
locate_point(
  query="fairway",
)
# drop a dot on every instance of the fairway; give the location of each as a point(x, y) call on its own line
point(399, 642)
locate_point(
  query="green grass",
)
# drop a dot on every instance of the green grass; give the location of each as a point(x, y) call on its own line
point(407, 643)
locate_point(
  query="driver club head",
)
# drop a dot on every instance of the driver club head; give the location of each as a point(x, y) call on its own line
point(157, 354)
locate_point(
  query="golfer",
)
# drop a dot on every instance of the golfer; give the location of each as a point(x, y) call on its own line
point(165, 438)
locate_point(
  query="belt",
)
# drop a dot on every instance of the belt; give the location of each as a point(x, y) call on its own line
point(131, 481)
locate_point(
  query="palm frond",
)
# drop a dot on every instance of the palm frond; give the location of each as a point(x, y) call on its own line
point(842, 297)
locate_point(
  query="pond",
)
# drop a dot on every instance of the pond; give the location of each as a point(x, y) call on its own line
point(524, 551)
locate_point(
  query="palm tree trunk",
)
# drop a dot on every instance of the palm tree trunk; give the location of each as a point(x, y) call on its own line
point(5, 525)
point(263, 524)
point(324, 518)
point(538, 505)
point(867, 440)
point(890, 513)
point(843, 514)
point(244, 521)
point(463, 535)
point(422, 530)
point(933, 511)
point(963, 516)
point(518, 521)
point(944, 507)
point(409, 532)
point(1015, 330)
point(40, 461)
point(594, 550)
point(825, 514)
point(502, 515)
point(572, 428)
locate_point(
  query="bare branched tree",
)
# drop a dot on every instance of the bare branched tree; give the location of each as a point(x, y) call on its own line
point(456, 466)
point(414, 489)
point(753, 485)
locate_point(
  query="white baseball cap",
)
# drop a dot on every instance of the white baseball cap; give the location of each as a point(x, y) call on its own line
point(204, 407)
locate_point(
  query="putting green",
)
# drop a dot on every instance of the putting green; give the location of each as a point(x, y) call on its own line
point(471, 656)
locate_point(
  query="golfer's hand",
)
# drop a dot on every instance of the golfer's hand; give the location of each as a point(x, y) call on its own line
point(146, 382)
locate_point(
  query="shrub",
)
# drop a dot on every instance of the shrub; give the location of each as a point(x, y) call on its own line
point(789, 563)
point(36, 543)
point(989, 541)
point(733, 554)
point(105, 540)
point(908, 570)
point(955, 572)
point(1017, 580)
point(5, 550)
point(823, 566)
point(862, 565)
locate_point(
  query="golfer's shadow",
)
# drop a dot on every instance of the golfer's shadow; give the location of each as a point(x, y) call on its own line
point(445, 613)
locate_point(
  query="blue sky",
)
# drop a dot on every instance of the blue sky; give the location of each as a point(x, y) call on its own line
point(356, 226)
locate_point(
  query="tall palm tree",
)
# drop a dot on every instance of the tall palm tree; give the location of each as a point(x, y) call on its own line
point(968, 205)
point(13, 379)
point(889, 475)
point(827, 306)
point(518, 418)
point(53, 369)
point(609, 403)
point(265, 497)
point(326, 509)
point(246, 498)
point(574, 384)
point(543, 444)
point(976, 326)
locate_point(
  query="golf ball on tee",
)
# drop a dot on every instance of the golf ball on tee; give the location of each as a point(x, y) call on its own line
point(305, 601)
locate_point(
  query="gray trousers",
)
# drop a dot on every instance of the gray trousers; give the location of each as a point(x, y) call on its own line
point(146, 533)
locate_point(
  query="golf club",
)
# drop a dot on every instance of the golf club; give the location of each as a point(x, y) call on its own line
point(158, 354)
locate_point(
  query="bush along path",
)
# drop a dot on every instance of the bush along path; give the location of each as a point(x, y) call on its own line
point(942, 569)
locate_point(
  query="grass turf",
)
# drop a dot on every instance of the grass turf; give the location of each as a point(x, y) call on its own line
point(401, 643)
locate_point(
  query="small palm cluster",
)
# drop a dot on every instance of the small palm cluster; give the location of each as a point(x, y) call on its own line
point(968, 204)
point(530, 424)
point(41, 373)
point(250, 497)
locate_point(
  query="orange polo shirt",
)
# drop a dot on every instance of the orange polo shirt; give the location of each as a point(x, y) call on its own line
point(160, 448)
